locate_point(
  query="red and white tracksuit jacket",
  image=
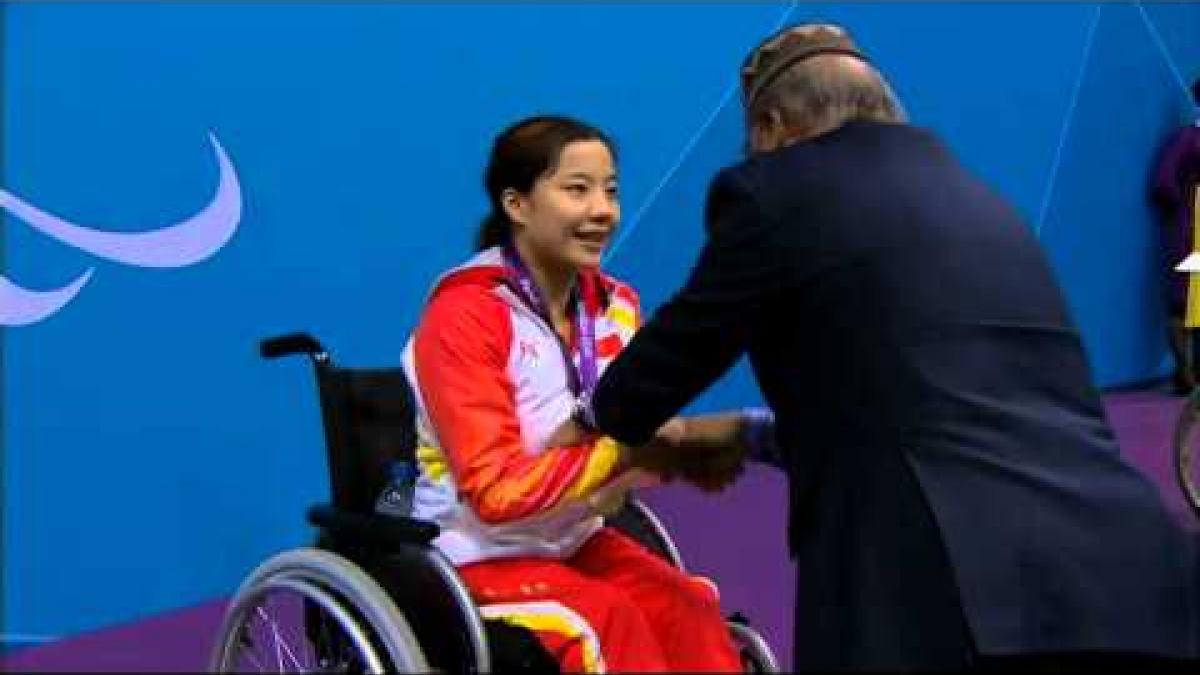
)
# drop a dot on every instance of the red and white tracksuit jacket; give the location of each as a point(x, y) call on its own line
point(491, 387)
point(522, 521)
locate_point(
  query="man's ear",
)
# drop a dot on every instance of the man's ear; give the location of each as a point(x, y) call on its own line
point(767, 132)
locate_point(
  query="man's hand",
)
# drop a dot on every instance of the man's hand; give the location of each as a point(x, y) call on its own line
point(705, 450)
point(661, 454)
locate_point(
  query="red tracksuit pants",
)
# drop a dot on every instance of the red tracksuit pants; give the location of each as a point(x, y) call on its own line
point(613, 606)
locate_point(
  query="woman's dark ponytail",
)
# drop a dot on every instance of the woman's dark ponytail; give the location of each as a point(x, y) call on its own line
point(493, 231)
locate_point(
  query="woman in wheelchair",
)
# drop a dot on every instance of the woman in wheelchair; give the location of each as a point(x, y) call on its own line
point(507, 343)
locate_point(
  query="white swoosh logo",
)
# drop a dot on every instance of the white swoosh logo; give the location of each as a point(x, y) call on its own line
point(184, 243)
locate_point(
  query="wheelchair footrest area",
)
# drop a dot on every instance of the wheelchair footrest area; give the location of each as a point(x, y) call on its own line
point(372, 529)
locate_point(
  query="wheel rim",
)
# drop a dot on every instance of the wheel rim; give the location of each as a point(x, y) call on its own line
point(353, 590)
point(1187, 436)
point(271, 630)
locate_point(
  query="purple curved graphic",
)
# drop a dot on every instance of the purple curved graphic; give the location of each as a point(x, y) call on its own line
point(21, 306)
point(183, 243)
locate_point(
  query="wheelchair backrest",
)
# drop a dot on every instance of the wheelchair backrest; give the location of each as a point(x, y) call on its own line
point(369, 420)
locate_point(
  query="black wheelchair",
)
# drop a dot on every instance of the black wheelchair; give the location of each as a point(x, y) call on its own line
point(373, 594)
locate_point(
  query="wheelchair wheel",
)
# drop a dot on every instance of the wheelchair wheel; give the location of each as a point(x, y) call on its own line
point(310, 610)
point(756, 654)
point(640, 523)
point(1187, 437)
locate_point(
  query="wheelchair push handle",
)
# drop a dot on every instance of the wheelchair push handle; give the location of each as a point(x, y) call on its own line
point(293, 343)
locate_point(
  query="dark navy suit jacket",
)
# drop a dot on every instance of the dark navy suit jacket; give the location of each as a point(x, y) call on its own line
point(955, 486)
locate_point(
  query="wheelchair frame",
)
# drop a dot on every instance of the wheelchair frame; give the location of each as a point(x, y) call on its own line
point(1185, 450)
point(382, 570)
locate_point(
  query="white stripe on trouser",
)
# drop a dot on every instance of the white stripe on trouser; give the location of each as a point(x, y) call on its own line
point(552, 616)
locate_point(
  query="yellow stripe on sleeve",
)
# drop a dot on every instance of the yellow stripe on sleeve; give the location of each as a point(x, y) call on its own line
point(599, 468)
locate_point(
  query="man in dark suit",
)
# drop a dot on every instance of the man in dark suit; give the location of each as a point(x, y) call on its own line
point(956, 492)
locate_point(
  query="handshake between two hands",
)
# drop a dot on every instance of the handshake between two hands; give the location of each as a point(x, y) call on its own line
point(708, 451)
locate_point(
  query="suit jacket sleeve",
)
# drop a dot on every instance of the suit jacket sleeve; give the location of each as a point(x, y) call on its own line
point(702, 330)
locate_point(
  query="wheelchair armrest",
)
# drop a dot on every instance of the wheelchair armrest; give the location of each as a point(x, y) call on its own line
point(372, 529)
point(292, 343)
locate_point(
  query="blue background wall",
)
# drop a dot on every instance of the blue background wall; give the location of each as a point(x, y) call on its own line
point(150, 459)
